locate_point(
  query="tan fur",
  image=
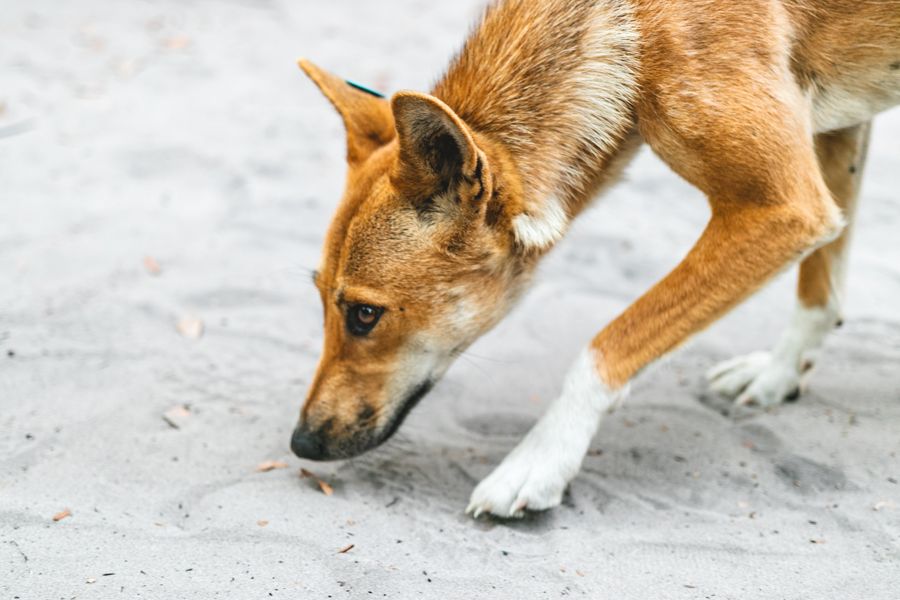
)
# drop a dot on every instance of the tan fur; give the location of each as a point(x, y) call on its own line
point(452, 197)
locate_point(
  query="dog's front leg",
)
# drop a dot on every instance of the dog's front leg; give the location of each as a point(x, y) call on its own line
point(742, 247)
point(535, 474)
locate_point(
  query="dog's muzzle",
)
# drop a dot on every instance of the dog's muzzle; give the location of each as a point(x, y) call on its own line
point(307, 444)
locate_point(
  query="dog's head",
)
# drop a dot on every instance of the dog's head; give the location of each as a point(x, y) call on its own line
point(418, 262)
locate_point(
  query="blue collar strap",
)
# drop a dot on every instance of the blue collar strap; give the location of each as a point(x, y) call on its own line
point(363, 88)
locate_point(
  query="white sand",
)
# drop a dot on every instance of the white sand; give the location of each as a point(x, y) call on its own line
point(183, 130)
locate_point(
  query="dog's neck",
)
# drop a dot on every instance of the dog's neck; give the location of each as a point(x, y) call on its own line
point(557, 97)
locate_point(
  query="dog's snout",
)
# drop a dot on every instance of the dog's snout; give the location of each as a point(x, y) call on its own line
point(307, 444)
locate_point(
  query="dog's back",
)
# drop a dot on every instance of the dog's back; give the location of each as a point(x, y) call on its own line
point(844, 55)
point(847, 55)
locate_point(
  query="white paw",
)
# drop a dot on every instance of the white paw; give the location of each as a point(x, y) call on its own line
point(522, 481)
point(757, 378)
point(535, 474)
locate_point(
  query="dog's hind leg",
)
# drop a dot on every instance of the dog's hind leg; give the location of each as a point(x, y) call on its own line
point(768, 378)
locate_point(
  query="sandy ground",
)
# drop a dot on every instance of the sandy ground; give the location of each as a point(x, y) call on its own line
point(183, 131)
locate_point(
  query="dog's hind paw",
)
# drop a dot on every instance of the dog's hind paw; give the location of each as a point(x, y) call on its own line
point(758, 378)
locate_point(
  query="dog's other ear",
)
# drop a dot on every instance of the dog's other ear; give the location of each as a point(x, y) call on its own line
point(437, 150)
point(367, 118)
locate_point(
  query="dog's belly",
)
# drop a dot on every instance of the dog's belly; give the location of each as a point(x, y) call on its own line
point(850, 101)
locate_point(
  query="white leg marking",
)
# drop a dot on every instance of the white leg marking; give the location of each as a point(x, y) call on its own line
point(539, 231)
point(767, 378)
point(535, 474)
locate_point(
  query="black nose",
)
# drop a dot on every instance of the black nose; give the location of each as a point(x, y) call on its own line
point(307, 444)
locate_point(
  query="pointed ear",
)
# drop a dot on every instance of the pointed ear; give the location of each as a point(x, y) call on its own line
point(437, 149)
point(367, 117)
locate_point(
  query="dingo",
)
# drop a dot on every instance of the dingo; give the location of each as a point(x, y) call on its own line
point(453, 197)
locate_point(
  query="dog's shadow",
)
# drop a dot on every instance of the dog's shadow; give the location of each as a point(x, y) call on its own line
point(644, 456)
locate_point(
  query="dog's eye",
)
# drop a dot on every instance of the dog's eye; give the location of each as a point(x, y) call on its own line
point(361, 318)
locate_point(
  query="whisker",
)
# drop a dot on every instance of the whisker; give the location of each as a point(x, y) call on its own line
point(290, 272)
point(469, 360)
point(469, 354)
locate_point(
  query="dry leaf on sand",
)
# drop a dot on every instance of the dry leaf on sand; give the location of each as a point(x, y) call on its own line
point(152, 266)
point(176, 416)
point(177, 42)
point(326, 489)
point(190, 327)
point(271, 465)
